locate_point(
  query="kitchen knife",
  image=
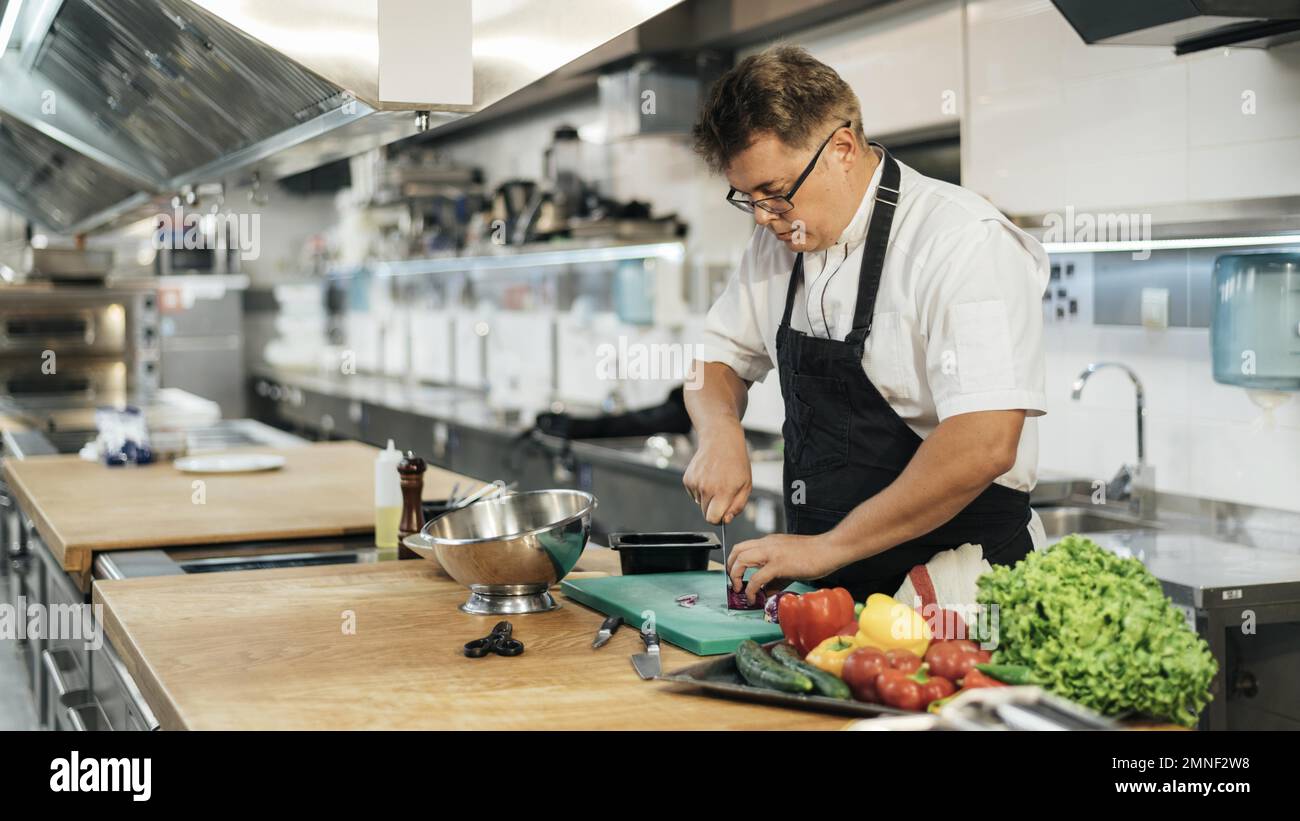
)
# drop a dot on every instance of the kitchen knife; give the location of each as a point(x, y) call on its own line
point(607, 628)
point(647, 664)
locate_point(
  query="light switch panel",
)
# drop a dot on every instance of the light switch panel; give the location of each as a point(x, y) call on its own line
point(1155, 308)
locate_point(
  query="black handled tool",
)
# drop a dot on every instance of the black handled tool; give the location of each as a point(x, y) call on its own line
point(607, 628)
point(499, 641)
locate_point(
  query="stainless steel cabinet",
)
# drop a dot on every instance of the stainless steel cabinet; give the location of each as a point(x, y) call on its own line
point(115, 692)
point(27, 586)
point(65, 665)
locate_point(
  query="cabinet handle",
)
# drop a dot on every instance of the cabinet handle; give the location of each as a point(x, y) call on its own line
point(66, 662)
point(98, 717)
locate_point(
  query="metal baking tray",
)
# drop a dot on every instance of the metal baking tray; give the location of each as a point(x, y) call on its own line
point(719, 677)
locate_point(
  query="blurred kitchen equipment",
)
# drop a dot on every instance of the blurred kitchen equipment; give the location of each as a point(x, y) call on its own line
point(494, 488)
point(668, 417)
point(997, 708)
point(511, 549)
point(122, 438)
point(68, 342)
point(500, 641)
point(565, 168)
point(606, 631)
point(89, 266)
point(648, 664)
point(509, 203)
point(1255, 330)
point(663, 552)
point(229, 463)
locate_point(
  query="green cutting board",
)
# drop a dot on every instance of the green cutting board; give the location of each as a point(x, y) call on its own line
point(707, 629)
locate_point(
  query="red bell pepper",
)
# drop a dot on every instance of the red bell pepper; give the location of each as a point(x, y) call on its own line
point(809, 619)
point(976, 679)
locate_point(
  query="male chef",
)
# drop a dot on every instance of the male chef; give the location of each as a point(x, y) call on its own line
point(903, 317)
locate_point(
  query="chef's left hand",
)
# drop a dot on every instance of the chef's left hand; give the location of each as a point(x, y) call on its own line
point(780, 556)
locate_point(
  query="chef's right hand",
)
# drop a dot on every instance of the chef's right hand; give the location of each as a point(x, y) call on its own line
point(719, 478)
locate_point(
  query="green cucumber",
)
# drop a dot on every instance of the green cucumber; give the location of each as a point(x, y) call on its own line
point(827, 684)
point(1007, 673)
point(761, 670)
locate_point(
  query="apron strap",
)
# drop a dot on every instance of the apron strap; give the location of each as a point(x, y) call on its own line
point(873, 254)
point(796, 274)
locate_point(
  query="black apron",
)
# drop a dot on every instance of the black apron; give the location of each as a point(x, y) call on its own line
point(844, 443)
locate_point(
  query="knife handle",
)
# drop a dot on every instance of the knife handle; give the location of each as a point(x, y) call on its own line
point(651, 639)
point(611, 623)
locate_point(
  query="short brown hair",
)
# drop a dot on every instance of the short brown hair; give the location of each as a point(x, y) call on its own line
point(784, 91)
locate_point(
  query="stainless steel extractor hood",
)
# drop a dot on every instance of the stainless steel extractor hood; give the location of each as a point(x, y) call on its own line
point(1187, 25)
point(143, 97)
point(52, 184)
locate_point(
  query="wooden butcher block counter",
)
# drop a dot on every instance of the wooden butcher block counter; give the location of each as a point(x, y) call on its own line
point(380, 647)
point(80, 508)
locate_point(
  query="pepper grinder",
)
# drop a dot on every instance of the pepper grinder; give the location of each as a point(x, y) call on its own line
point(411, 472)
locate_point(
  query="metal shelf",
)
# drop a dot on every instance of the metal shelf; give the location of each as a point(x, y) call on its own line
point(671, 251)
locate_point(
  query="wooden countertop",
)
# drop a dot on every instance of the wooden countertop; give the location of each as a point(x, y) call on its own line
point(79, 507)
point(267, 649)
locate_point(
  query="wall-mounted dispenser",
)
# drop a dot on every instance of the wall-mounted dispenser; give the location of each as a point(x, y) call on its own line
point(1255, 330)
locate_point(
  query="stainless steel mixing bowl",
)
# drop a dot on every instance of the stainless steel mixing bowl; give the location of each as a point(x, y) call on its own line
point(510, 550)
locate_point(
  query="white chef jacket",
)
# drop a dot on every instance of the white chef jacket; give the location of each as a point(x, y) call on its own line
point(958, 319)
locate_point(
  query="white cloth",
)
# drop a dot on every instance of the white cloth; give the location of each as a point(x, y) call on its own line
point(953, 574)
point(958, 319)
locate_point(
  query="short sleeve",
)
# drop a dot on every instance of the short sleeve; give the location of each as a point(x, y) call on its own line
point(732, 333)
point(980, 303)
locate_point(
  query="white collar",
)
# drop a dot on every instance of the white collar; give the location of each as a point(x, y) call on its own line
point(856, 231)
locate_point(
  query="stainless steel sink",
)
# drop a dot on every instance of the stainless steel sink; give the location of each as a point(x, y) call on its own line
point(1061, 521)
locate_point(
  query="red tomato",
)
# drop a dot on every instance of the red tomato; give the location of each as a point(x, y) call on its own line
point(935, 688)
point(898, 689)
point(904, 660)
point(860, 671)
point(952, 659)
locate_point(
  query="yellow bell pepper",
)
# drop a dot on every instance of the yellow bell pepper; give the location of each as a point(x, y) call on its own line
point(831, 653)
point(888, 624)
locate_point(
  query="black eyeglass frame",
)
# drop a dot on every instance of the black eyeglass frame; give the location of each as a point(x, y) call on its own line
point(748, 205)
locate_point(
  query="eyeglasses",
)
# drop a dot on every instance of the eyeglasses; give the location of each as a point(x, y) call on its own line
point(785, 202)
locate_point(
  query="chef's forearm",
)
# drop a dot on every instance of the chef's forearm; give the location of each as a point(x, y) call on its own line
point(954, 464)
point(718, 402)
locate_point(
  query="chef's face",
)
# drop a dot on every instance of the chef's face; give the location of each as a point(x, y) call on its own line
point(824, 203)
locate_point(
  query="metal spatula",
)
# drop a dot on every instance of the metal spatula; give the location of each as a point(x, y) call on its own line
point(647, 664)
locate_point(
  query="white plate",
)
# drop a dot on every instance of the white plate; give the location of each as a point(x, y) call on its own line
point(229, 463)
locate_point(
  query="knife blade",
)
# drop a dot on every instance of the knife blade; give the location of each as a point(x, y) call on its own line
point(647, 664)
point(725, 575)
point(607, 628)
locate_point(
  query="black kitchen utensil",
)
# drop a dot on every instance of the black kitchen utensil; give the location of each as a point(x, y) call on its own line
point(606, 631)
point(663, 552)
point(499, 641)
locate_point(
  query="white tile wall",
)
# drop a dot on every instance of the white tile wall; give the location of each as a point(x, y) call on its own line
point(1204, 438)
point(1055, 123)
point(904, 63)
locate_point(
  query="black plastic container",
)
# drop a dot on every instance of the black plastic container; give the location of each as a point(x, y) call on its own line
point(663, 552)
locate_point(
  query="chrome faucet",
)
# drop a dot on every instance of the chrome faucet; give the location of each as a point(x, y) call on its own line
point(1134, 484)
